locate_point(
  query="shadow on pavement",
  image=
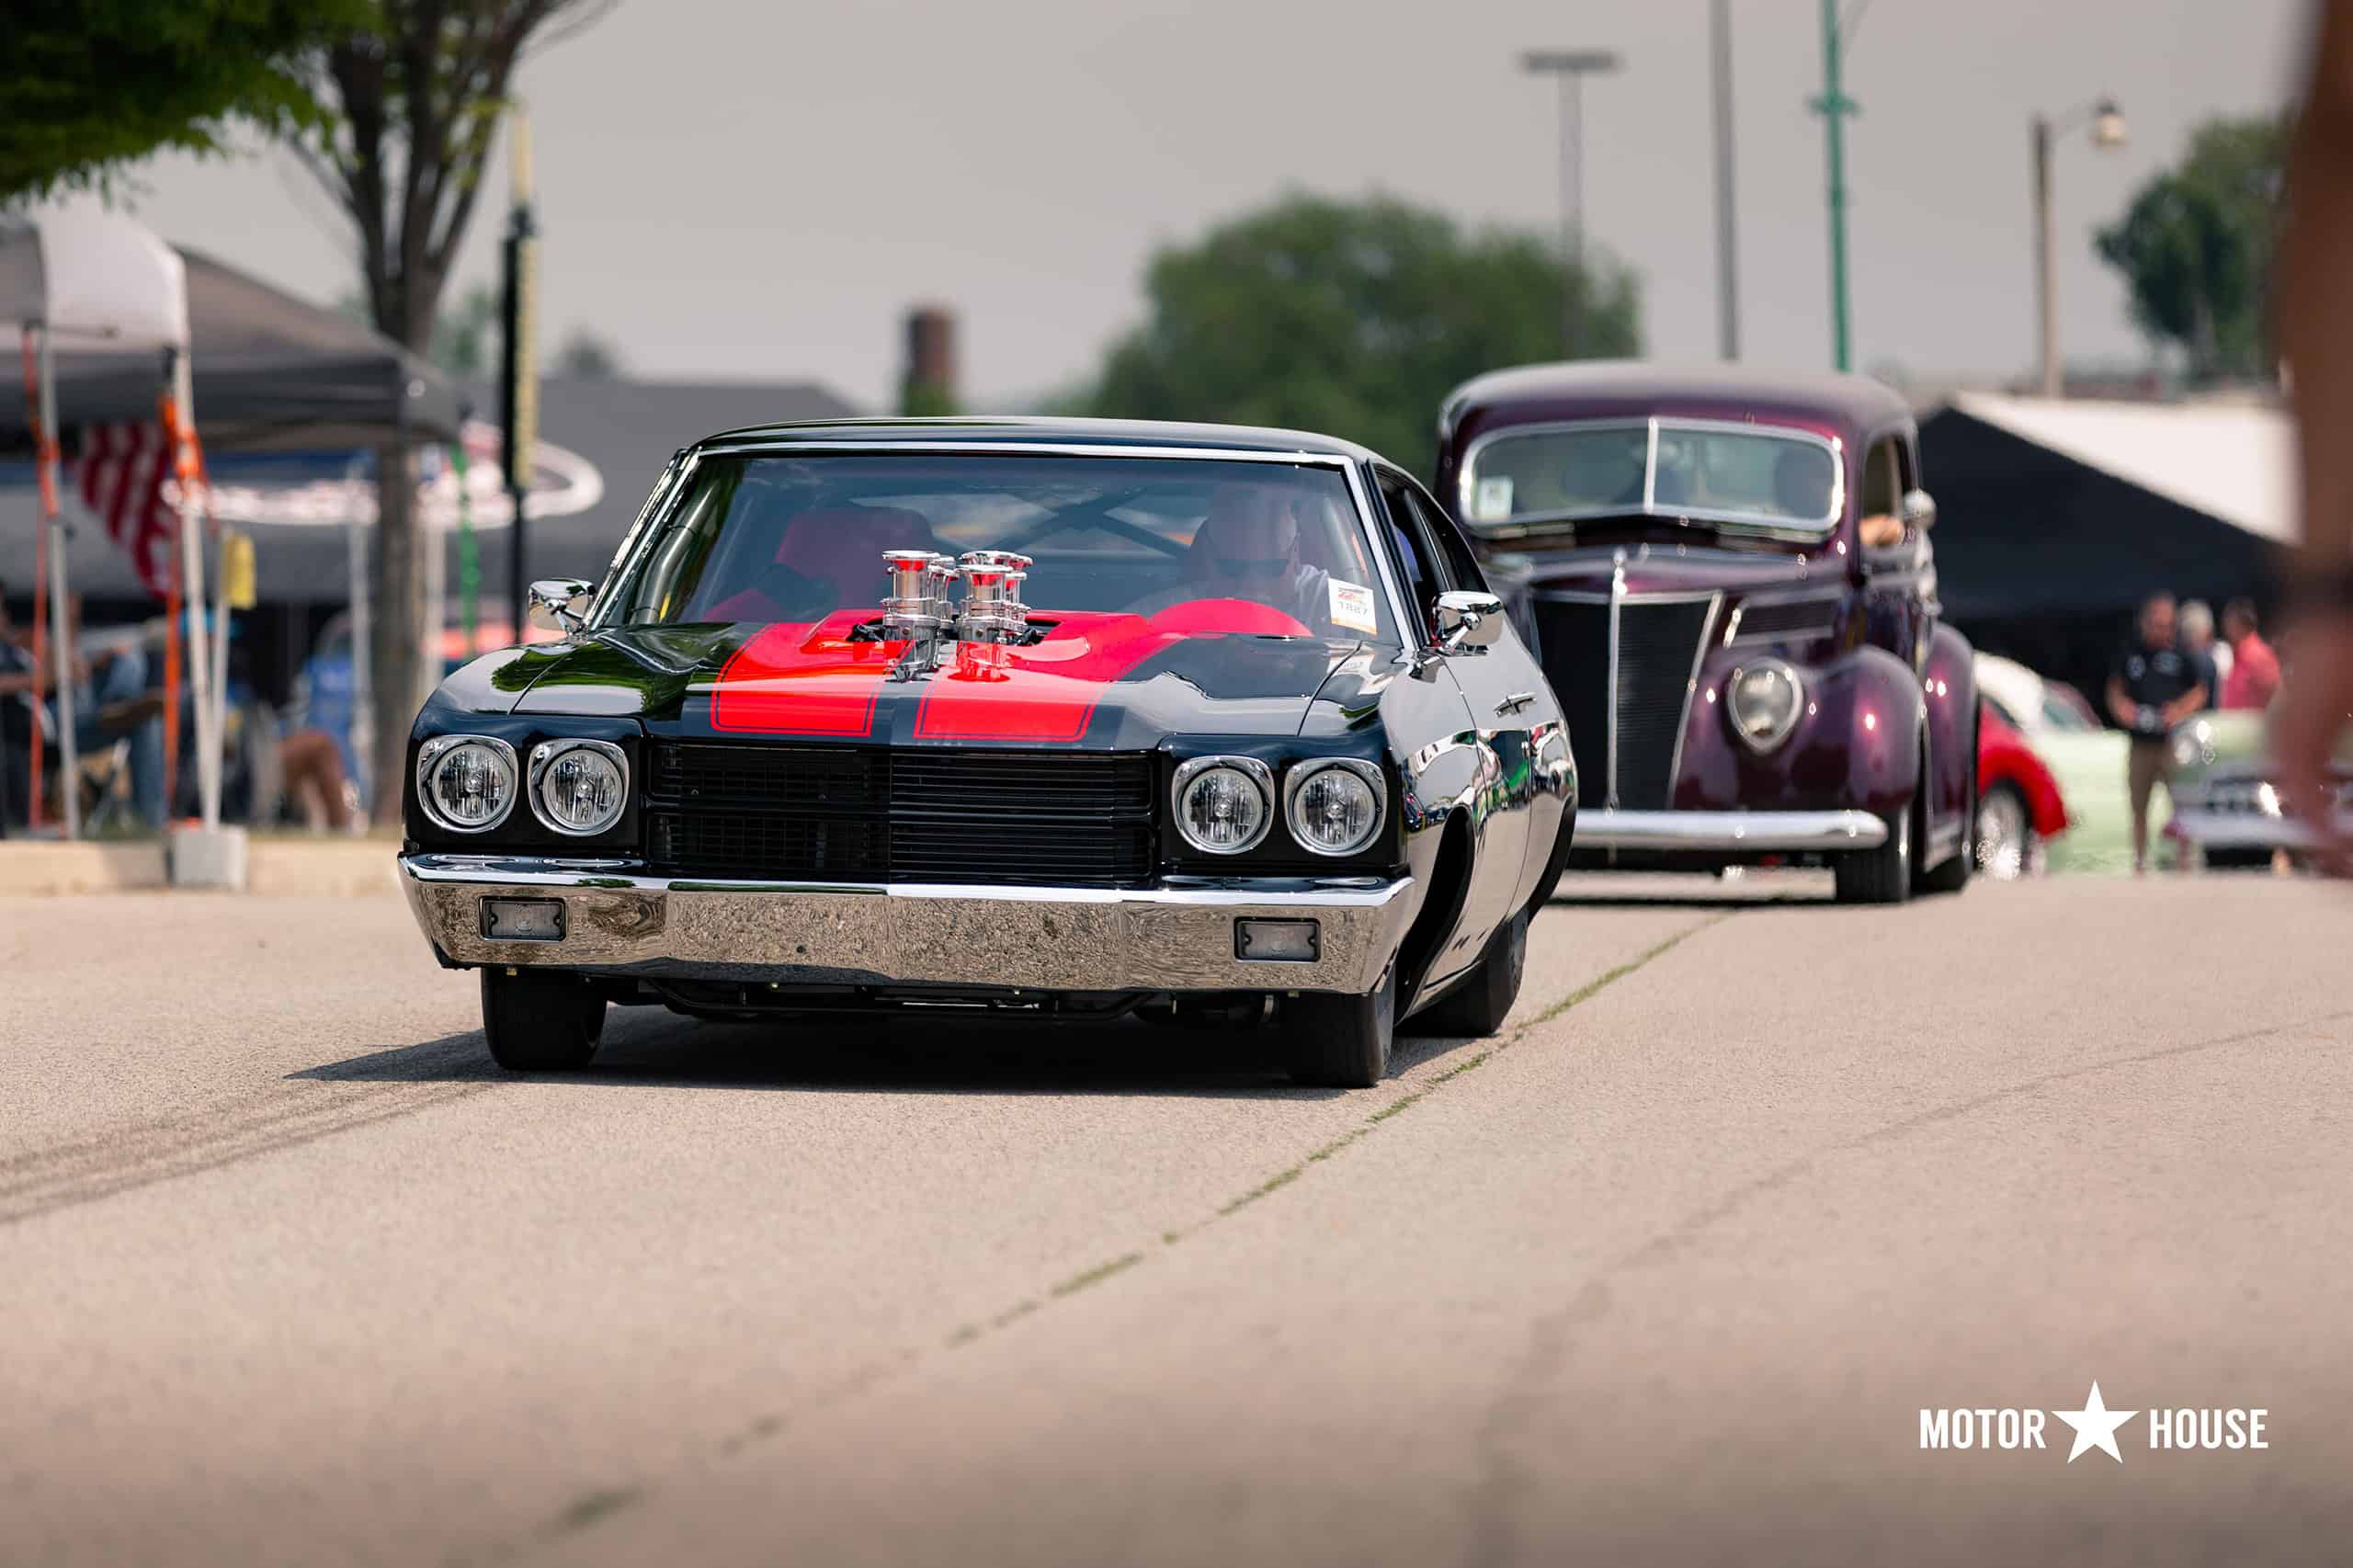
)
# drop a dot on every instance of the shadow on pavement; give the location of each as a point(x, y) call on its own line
point(648, 1048)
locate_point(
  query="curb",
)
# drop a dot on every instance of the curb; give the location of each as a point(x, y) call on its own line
point(274, 867)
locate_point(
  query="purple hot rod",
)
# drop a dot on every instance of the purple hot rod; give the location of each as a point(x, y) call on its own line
point(1729, 576)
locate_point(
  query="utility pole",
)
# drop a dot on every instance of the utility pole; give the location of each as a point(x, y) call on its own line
point(518, 371)
point(1835, 106)
point(1571, 66)
point(1727, 266)
point(2108, 131)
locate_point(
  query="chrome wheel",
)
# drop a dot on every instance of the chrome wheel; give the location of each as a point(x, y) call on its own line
point(2003, 835)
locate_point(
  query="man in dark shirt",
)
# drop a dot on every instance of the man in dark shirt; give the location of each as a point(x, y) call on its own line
point(2156, 685)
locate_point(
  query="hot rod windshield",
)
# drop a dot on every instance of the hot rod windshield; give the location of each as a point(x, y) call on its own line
point(1743, 476)
point(796, 537)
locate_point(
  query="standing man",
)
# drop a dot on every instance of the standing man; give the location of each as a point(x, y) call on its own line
point(2315, 325)
point(2255, 668)
point(2155, 687)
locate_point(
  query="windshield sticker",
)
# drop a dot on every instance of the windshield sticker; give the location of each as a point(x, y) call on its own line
point(1491, 503)
point(1352, 607)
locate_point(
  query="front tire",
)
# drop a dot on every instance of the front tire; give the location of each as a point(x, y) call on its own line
point(1339, 1041)
point(539, 1020)
point(1882, 875)
point(2006, 837)
point(1477, 1005)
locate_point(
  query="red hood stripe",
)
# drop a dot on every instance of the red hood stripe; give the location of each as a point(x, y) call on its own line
point(793, 678)
point(1045, 692)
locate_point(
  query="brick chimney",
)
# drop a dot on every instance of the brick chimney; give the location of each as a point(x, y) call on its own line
point(927, 385)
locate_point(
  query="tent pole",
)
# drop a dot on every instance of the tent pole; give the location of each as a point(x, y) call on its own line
point(39, 728)
point(363, 673)
point(61, 608)
point(208, 745)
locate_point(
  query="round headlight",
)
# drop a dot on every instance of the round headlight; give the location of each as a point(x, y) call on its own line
point(1764, 699)
point(467, 783)
point(578, 787)
point(1225, 804)
point(1334, 807)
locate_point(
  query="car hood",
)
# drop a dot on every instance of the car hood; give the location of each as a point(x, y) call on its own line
point(1097, 681)
point(1673, 569)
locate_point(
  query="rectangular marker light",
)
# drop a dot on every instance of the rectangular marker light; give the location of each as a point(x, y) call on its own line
point(1290, 941)
point(523, 919)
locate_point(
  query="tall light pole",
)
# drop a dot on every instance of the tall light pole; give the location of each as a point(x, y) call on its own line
point(1571, 66)
point(1833, 106)
point(2108, 131)
point(1727, 268)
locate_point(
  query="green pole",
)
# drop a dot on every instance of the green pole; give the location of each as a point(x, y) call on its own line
point(1835, 106)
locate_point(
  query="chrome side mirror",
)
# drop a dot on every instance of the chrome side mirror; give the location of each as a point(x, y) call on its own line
point(1919, 509)
point(1469, 623)
point(559, 604)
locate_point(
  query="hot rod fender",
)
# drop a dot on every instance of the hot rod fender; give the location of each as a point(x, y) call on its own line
point(1948, 693)
point(1856, 745)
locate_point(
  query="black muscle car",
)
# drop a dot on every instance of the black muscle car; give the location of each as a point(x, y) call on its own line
point(1070, 717)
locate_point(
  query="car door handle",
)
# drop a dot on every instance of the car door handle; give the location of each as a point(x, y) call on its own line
point(1514, 702)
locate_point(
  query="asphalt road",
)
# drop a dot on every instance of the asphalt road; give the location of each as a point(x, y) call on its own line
point(289, 1275)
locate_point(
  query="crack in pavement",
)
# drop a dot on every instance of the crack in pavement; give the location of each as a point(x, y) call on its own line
point(768, 1427)
point(1549, 1336)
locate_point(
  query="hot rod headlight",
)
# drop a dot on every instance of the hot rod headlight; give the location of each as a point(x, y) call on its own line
point(1764, 698)
point(1335, 807)
point(579, 787)
point(466, 783)
point(1224, 804)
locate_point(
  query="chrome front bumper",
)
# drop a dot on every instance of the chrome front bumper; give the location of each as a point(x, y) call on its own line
point(925, 935)
point(1779, 831)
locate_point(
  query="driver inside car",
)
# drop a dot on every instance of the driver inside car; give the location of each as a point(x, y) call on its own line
point(1248, 548)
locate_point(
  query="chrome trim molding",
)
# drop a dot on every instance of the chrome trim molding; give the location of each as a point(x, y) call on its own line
point(1617, 597)
point(1302, 772)
point(1691, 690)
point(1609, 829)
point(1257, 772)
point(432, 749)
point(912, 934)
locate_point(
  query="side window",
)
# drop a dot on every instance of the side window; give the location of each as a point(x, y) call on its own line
point(1418, 571)
point(1882, 480)
point(1455, 561)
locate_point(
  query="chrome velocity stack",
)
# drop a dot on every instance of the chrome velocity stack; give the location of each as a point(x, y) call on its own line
point(910, 611)
point(992, 608)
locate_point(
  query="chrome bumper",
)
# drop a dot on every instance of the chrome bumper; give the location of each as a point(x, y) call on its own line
point(992, 937)
point(1600, 828)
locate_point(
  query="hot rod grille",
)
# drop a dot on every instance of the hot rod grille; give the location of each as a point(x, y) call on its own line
point(849, 813)
point(1658, 641)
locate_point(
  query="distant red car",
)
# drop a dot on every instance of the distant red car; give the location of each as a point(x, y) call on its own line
point(2018, 804)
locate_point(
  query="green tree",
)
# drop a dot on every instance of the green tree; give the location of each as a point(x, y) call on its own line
point(2194, 247)
point(1353, 318)
point(416, 96)
point(89, 85)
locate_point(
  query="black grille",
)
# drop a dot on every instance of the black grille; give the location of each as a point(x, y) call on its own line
point(721, 810)
point(1657, 641)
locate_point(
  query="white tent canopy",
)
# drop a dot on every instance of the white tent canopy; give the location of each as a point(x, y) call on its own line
point(95, 281)
point(2235, 462)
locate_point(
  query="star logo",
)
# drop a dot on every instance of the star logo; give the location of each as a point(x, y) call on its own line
point(2095, 1427)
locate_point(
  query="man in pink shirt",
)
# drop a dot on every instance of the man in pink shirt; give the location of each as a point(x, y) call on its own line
point(2255, 668)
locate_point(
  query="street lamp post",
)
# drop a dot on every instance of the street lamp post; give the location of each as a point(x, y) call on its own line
point(1571, 66)
point(2108, 131)
point(1835, 106)
point(1727, 272)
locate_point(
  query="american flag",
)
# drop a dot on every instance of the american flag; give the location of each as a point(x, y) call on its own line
point(120, 475)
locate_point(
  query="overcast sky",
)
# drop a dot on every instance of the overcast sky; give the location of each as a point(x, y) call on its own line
point(740, 189)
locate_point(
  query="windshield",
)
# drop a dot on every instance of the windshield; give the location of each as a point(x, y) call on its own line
point(1784, 480)
point(797, 537)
